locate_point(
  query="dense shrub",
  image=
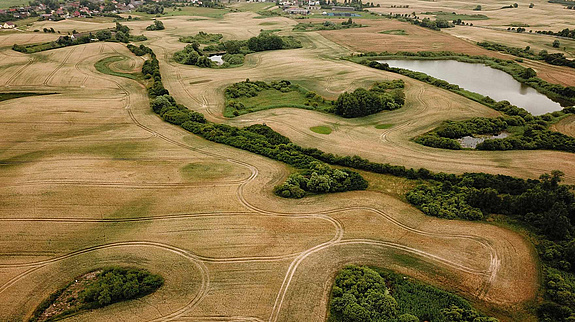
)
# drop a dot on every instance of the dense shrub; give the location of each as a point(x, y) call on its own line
point(366, 294)
point(202, 38)
point(320, 178)
point(362, 102)
point(157, 25)
point(119, 284)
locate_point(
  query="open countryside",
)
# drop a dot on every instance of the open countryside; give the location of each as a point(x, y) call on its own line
point(167, 160)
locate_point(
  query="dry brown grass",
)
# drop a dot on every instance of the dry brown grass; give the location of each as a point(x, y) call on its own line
point(565, 126)
point(90, 177)
point(417, 39)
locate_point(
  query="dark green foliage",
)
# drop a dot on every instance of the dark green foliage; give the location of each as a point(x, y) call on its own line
point(192, 55)
point(235, 50)
point(371, 294)
point(320, 178)
point(113, 284)
point(359, 294)
point(157, 25)
point(442, 202)
point(326, 25)
point(139, 51)
point(362, 102)
point(119, 284)
point(202, 38)
point(269, 41)
point(120, 33)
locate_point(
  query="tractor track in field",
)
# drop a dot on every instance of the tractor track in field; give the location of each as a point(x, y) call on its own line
point(297, 258)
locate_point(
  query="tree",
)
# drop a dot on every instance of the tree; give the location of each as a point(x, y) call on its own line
point(515, 5)
point(104, 35)
point(531, 5)
point(528, 73)
point(478, 8)
point(556, 44)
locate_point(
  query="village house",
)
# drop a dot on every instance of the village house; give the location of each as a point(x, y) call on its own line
point(8, 25)
point(297, 11)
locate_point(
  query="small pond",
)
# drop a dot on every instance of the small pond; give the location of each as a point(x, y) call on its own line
point(484, 80)
point(472, 142)
point(217, 58)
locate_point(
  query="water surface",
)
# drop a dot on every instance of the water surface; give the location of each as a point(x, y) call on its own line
point(484, 80)
point(217, 58)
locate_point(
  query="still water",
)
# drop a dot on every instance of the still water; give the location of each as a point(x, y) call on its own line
point(217, 58)
point(484, 80)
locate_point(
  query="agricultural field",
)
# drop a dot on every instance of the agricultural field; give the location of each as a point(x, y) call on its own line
point(91, 177)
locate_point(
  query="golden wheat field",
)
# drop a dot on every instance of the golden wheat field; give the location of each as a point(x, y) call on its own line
point(90, 176)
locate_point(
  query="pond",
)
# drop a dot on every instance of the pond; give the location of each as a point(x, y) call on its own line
point(484, 80)
point(217, 58)
point(472, 142)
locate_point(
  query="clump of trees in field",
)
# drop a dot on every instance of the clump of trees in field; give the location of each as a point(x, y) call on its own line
point(366, 294)
point(157, 25)
point(111, 285)
point(362, 102)
point(202, 38)
point(235, 50)
point(320, 178)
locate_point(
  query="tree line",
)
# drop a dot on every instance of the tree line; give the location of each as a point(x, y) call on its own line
point(120, 33)
point(557, 59)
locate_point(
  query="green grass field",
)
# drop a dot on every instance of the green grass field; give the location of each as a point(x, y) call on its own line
point(103, 66)
point(322, 129)
point(383, 126)
point(399, 32)
point(272, 98)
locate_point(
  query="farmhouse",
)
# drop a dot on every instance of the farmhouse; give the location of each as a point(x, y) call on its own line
point(8, 25)
point(297, 11)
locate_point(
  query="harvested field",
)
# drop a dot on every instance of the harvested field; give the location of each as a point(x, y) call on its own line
point(565, 126)
point(371, 38)
point(91, 177)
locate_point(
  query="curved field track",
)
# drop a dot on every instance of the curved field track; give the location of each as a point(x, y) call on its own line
point(91, 177)
point(565, 126)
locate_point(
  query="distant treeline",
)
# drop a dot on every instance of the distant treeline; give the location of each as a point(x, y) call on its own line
point(558, 59)
point(120, 33)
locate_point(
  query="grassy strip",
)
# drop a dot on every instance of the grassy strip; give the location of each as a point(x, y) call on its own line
point(321, 129)
point(103, 66)
point(262, 96)
point(13, 95)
